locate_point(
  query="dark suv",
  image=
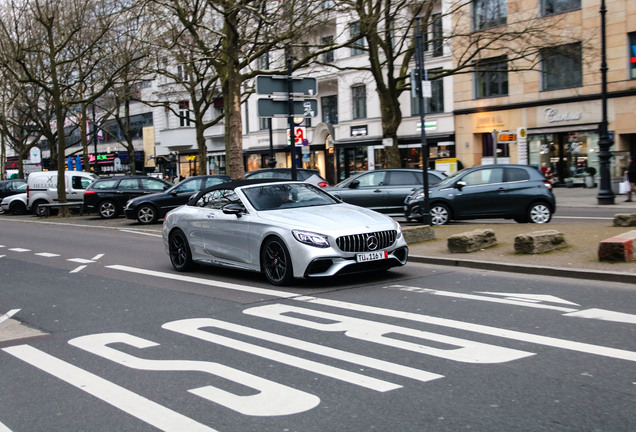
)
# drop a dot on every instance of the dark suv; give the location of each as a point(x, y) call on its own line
point(108, 196)
point(302, 174)
point(518, 192)
point(12, 187)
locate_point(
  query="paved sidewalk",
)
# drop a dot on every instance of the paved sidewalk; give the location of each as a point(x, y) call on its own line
point(578, 260)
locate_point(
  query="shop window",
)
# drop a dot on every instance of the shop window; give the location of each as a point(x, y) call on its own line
point(631, 55)
point(491, 78)
point(489, 13)
point(359, 101)
point(561, 67)
point(551, 7)
point(357, 46)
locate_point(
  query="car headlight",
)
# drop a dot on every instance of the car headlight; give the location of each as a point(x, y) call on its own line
point(311, 239)
point(398, 228)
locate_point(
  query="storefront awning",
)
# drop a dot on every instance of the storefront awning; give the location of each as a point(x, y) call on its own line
point(566, 128)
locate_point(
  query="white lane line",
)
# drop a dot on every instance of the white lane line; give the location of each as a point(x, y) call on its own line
point(20, 250)
point(96, 257)
point(9, 314)
point(141, 233)
point(136, 405)
point(78, 269)
point(183, 278)
point(80, 260)
point(3, 428)
point(47, 254)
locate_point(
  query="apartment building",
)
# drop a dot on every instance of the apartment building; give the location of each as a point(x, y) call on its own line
point(556, 104)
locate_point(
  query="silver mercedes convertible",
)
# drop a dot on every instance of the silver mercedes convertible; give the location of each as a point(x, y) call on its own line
point(285, 230)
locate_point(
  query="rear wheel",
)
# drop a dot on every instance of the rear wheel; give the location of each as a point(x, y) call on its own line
point(440, 215)
point(276, 262)
point(179, 251)
point(539, 213)
point(38, 210)
point(146, 214)
point(107, 209)
point(17, 208)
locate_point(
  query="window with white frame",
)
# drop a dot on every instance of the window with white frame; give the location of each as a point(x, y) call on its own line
point(438, 40)
point(489, 13)
point(561, 67)
point(552, 7)
point(263, 61)
point(491, 78)
point(327, 57)
point(359, 101)
point(434, 104)
point(357, 47)
point(184, 113)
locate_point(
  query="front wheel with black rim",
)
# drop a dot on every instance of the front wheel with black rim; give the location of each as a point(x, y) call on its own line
point(440, 214)
point(539, 213)
point(276, 262)
point(107, 209)
point(179, 251)
point(146, 214)
point(17, 208)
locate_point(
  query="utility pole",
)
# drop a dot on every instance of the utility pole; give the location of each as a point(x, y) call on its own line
point(419, 83)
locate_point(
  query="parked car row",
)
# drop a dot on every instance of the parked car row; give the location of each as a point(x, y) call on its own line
point(516, 192)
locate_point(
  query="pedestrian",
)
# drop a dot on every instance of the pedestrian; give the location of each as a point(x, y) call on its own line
point(631, 176)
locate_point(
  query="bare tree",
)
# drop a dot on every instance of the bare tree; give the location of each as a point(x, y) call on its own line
point(388, 29)
point(52, 44)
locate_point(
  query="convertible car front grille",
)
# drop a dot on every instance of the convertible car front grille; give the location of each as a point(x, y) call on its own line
point(366, 242)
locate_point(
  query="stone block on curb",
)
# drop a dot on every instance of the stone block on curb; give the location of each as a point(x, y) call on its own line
point(625, 219)
point(418, 234)
point(539, 241)
point(618, 248)
point(471, 241)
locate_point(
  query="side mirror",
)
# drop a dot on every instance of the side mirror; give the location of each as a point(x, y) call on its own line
point(234, 209)
point(354, 184)
point(460, 184)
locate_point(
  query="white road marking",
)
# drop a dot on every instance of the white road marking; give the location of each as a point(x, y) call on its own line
point(140, 232)
point(604, 315)
point(9, 314)
point(47, 254)
point(516, 302)
point(477, 328)
point(96, 257)
point(21, 250)
point(532, 297)
point(138, 406)
point(78, 269)
point(80, 260)
point(482, 329)
point(193, 327)
point(3, 428)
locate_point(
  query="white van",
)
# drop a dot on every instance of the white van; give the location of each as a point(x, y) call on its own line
point(42, 187)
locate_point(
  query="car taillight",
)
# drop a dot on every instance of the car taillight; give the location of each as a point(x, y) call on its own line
point(27, 192)
point(89, 192)
point(547, 184)
point(323, 184)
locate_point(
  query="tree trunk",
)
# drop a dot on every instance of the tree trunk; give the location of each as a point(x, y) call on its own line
point(391, 119)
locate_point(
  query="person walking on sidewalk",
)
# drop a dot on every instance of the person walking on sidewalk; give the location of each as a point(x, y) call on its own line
point(631, 176)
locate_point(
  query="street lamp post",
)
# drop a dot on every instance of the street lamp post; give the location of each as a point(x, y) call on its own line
point(605, 193)
point(419, 78)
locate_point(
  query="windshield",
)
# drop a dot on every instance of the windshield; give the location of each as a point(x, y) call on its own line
point(287, 195)
point(451, 178)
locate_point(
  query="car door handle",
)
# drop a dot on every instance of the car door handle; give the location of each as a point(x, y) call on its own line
point(378, 190)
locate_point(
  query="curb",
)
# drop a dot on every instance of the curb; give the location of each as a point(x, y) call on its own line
point(535, 270)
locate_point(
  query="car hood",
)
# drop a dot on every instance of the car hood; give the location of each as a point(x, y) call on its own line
point(20, 196)
point(339, 217)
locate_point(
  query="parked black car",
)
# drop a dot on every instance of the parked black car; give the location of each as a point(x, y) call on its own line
point(12, 187)
point(518, 192)
point(383, 190)
point(148, 209)
point(302, 174)
point(108, 196)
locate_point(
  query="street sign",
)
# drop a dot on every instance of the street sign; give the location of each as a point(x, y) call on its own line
point(279, 108)
point(268, 84)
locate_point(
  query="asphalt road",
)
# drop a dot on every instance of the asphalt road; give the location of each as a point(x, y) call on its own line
point(98, 333)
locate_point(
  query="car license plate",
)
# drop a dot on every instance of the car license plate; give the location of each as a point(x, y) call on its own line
point(371, 256)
